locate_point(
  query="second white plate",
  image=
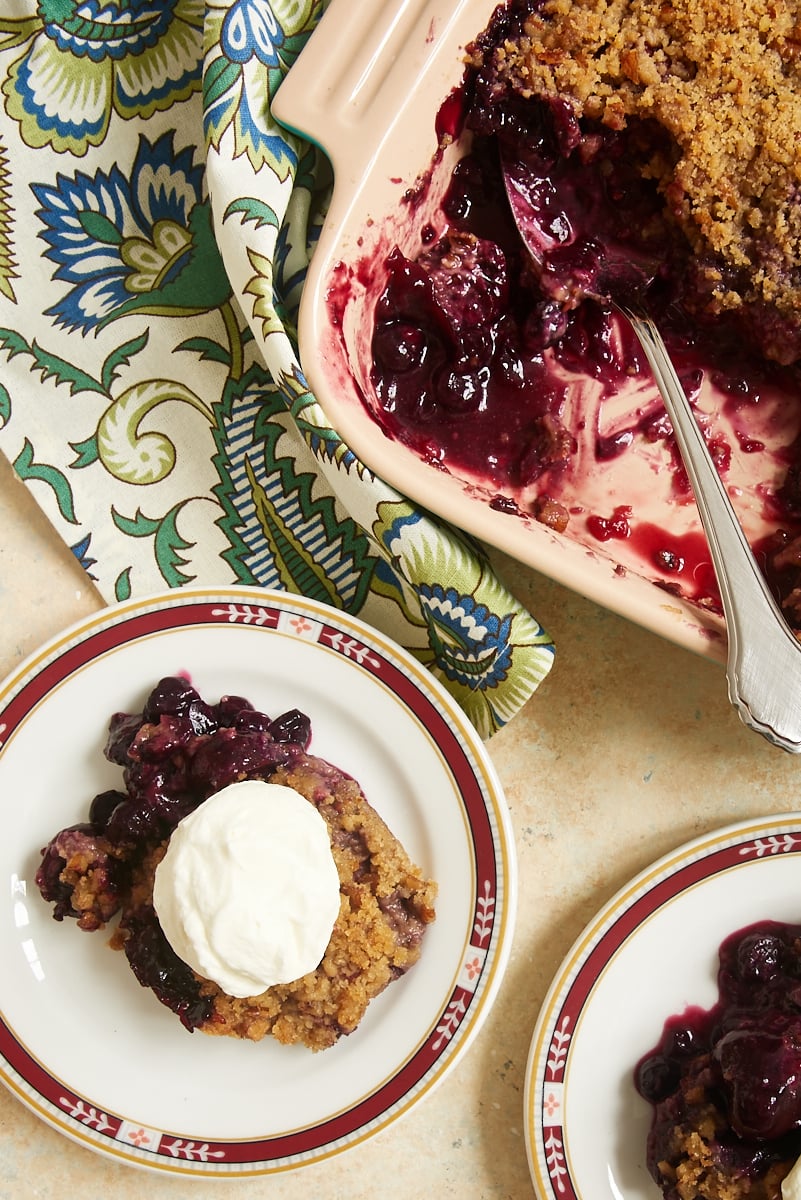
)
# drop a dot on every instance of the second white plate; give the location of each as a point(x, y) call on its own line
point(649, 953)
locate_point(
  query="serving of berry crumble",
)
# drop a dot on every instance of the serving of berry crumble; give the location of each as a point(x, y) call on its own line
point(725, 1083)
point(175, 754)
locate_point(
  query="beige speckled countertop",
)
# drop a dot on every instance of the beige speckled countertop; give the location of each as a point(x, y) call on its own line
point(629, 749)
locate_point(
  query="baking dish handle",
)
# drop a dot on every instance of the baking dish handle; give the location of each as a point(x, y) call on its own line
point(342, 92)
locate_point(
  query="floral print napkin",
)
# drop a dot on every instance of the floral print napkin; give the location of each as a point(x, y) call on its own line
point(155, 227)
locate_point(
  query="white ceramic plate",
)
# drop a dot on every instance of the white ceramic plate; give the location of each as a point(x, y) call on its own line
point(98, 1057)
point(648, 954)
point(350, 92)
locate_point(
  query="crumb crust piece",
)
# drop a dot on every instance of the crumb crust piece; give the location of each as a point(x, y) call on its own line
point(385, 906)
point(723, 1082)
point(723, 77)
point(698, 1161)
point(175, 755)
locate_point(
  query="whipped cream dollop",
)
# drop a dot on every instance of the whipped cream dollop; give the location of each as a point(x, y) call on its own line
point(248, 892)
point(791, 1184)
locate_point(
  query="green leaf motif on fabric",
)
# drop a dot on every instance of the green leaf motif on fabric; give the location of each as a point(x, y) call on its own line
point(281, 535)
point(28, 469)
point(121, 357)
point(7, 260)
point(15, 31)
point(321, 439)
point(207, 350)
point(388, 583)
point(86, 453)
point(487, 651)
point(128, 453)
point(100, 228)
point(14, 343)
point(251, 45)
point(49, 366)
point(122, 585)
point(339, 573)
point(296, 567)
point(220, 79)
point(53, 366)
point(260, 286)
point(83, 61)
point(258, 212)
point(5, 405)
point(294, 16)
point(167, 541)
point(179, 272)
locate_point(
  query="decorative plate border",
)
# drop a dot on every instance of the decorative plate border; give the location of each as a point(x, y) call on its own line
point(573, 986)
point(495, 878)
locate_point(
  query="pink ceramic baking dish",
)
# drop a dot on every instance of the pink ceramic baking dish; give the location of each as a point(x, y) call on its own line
point(368, 88)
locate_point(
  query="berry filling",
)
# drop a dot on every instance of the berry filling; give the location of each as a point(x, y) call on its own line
point(479, 351)
point(175, 754)
point(725, 1084)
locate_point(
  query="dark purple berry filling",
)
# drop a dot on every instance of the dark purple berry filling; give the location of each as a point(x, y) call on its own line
point(156, 965)
point(76, 854)
point(475, 352)
point(731, 1075)
point(174, 755)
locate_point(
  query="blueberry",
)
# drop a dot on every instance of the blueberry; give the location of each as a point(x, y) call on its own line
point(174, 696)
point(292, 726)
point(103, 806)
point(229, 756)
point(399, 346)
point(762, 1074)
point(122, 729)
point(250, 720)
point(657, 1078)
point(759, 957)
point(462, 392)
point(681, 1041)
point(228, 709)
point(133, 824)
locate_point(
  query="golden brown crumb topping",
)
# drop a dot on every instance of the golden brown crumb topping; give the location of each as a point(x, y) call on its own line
point(385, 905)
point(724, 78)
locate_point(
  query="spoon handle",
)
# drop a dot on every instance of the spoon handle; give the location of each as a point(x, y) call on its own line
point(764, 658)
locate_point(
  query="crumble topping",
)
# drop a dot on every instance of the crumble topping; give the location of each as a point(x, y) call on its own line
point(723, 1083)
point(175, 755)
point(385, 906)
point(723, 77)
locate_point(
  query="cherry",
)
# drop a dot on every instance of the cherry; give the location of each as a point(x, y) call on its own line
point(292, 726)
point(762, 1074)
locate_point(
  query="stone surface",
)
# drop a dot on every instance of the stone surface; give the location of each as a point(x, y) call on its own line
point(629, 749)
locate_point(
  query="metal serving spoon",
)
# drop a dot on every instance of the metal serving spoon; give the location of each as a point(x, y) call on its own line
point(764, 657)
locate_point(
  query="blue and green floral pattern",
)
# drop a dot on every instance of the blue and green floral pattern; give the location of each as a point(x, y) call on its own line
point(155, 227)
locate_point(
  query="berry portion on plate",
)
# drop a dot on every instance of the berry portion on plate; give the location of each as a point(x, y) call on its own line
point(176, 754)
point(725, 1083)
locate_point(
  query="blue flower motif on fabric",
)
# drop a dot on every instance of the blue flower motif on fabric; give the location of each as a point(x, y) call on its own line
point(254, 43)
point(81, 551)
point(472, 644)
point(92, 31)
point(251, 30)
point(136, 241)
point(76, 68)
